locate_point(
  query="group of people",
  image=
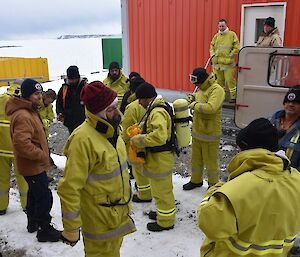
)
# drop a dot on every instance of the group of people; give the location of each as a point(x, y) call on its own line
point(254, 213)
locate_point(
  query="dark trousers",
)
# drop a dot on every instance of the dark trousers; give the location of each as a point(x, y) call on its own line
point(39, 199)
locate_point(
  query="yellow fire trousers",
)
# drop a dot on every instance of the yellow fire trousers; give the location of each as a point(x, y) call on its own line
point(227, 76)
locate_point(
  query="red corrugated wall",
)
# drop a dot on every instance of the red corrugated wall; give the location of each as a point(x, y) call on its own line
point(168, 38)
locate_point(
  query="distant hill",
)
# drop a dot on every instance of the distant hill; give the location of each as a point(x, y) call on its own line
point(84, 36)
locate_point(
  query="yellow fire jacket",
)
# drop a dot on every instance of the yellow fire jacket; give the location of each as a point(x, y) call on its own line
point(95, 192)
point(255, 213)
point(120, 86)
point(47, 115)
point(159, 125)
point(207, 111)
point(224, 47)
point(6, 149)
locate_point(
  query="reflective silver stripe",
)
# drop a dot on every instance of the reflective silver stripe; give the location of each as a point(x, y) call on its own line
point(144, 188)
point(223, 47)
point(141, 140)
point(273, 246)
point(5, 153)
point(199, 136)
point(70, 215)
point(197, 170)
point(291, 147)
point(212, 174)
point(134, 163)
point(201, 108)
point(23, 194)
point(181, 109)
point(4, 192)
point(166, 213)
point(107, 176)
point(4, 123)
point(110, 234)
point(151, 174)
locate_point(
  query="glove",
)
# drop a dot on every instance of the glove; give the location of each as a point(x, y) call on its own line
point(70, 237)
point(190, 98)
point(60, 117)
point(192, 105)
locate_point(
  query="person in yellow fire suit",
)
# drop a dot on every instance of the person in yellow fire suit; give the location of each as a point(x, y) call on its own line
point(134, 114)
point(95, 192)
point(159, 159)
point(256, 212)
point(46, 109)
point(224, 46)
point(7, 156)
point(116, 80)
point(206, 129)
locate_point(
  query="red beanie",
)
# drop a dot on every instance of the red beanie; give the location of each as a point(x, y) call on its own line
point(97, 97)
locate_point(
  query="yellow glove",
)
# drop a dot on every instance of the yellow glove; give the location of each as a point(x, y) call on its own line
point(70, 237)
point(190, 98)
point(133, 130)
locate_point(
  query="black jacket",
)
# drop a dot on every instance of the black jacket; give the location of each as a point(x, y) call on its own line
point(70, 106)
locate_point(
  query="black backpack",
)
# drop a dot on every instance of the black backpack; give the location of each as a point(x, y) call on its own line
point(172, 144)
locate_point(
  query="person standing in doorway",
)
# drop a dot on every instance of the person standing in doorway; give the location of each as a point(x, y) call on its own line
point(271, 35)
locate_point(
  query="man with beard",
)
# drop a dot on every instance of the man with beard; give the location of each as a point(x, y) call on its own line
point(95, 192)
point(69, 109)
point(117, 81)
point(31, 153)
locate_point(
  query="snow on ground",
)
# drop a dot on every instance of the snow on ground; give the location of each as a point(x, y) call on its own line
point(183, 241)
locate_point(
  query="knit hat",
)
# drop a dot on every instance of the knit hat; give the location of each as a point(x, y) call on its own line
point(135, 82)
point(114, 65)
point(97, 97)
point(199, 75)
point(260, 133)
point(30, 86)
point(145, 90)
point(270, 21)
point(73, 72)
point(293, 95)
point(133, 75)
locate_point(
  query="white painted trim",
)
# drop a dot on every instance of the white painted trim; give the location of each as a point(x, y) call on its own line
point(244, 6)
point(125, 37)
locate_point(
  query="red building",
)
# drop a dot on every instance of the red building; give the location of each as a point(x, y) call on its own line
point(165, 39)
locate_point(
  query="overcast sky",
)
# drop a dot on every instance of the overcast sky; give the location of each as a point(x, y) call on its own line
point(25, 19)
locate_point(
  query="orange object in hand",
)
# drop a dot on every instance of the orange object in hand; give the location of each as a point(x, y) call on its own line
point(131, 132)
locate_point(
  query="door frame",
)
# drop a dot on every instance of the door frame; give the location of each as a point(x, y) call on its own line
point(244, 6)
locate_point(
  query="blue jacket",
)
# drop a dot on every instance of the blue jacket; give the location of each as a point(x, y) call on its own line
point(285, 141)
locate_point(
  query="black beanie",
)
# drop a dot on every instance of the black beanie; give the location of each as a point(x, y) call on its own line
point(133, 75)
point(145, 90)
point(114, 65)
point(270, 21)
point(201, 75)
point(73, 72)
point(293, 95)
point(30, 86)
point(135, 82)
point(260, 133)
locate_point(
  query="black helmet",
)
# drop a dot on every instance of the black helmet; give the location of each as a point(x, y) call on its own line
point(198, 76)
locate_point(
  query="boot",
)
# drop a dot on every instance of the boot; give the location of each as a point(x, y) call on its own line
point(190, 185)
point(47, 233)
point(154, 227)
point(2, 212)
point(152, 215)
point(294, 252)
point(32, 225)
point(136, 199)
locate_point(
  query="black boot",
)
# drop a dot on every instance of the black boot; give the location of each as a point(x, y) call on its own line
point(154, 227)
point(2, 212)
point(190, 185)
point(152, 215)
point(47, 233)
point(136, 199)
point(32, 225)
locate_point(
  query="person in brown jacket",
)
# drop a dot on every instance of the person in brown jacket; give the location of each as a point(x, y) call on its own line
point(271, 35)
point(31, 152)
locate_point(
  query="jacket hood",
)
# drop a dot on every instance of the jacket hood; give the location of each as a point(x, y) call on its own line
point(208, 82)
point(15, 103)
point(256, 159)
point(101, 125)
point(122, 75)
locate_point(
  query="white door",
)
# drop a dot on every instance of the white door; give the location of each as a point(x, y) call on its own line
point(253, 17)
